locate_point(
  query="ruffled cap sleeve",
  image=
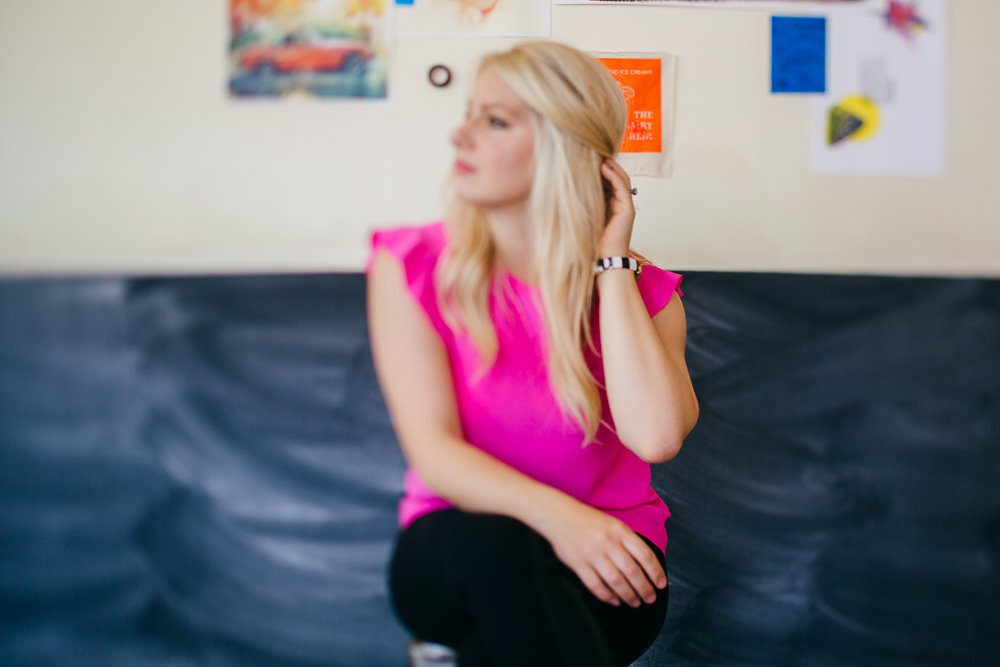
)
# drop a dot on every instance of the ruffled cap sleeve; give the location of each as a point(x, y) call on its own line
point(657, 286)
point(418, 250)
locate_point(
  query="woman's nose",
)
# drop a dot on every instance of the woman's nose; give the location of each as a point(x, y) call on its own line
point(460, 135)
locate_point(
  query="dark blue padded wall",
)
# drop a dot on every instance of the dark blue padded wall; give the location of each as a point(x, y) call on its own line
point(201, 471)
point(839, 500)
point(196, 471)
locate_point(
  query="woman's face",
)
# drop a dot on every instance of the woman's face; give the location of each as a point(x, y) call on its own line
point(494, 149)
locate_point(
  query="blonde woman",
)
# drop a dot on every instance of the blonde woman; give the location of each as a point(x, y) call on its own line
point(531, 390)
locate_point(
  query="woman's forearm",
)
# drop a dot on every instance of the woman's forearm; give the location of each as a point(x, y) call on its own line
point(649, 393)
point(475, 481)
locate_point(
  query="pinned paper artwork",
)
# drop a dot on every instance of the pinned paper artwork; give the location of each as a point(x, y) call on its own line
point(310, 48)
point(798, 54)
point(646, 81)
point(729, 4)
point(904, 18)
point(449, 18)
point(884, 110)
point(853, 118)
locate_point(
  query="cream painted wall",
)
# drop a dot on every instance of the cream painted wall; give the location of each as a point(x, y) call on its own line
point(121, 152)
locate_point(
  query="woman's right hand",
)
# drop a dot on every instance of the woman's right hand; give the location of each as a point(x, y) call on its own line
point(609, 558)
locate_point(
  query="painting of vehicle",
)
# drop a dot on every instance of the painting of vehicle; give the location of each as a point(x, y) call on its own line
point(308, 48)
point(302, 51)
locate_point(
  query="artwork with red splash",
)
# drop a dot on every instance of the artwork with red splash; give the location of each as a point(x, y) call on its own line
point(904, 18)
point(443, 18)
point(475, 10)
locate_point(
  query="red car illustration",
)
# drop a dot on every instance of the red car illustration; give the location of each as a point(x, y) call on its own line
point(302, 51)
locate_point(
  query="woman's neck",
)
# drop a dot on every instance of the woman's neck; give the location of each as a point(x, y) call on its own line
point(512, 239)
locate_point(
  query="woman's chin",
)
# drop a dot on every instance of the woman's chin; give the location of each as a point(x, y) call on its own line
point(472, 200)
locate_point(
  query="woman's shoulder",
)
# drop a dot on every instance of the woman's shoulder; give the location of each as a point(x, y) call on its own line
point(401, 239)
point(417, 249)
point(416, 246)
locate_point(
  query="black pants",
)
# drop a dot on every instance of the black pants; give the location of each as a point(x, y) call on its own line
point(493, 589)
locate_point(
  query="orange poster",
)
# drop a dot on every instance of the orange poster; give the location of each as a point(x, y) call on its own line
point(647, 83)
point(640, 80)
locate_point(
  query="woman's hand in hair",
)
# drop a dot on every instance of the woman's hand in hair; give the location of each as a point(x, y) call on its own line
point(611, 560)
point(617, 233)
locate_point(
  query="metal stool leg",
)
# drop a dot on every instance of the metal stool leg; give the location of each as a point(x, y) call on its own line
point(429, 654)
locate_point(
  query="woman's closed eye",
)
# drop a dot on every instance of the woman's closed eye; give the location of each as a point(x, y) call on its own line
point(493, 121)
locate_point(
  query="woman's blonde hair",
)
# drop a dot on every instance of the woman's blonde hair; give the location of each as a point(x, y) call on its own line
point(578, 116)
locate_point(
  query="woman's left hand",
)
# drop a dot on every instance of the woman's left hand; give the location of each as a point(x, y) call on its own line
point(617, 232)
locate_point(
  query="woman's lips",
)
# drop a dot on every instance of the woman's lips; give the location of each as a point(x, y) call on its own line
point(463, 167)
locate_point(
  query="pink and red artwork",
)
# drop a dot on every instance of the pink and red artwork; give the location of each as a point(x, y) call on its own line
point(904, 18)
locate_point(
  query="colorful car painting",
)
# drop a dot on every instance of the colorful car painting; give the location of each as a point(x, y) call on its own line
point(296, 48)
point(303, 51)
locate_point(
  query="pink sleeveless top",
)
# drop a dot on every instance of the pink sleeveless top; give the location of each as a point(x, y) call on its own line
point(511, 412)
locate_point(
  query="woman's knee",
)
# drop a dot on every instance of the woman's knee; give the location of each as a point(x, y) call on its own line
point(449, 559)
point(425, 597)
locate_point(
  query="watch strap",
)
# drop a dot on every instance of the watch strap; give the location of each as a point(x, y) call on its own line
point(605, 263)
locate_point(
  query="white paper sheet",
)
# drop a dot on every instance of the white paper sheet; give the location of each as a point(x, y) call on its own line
point(791, 6)
point(891, 81)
